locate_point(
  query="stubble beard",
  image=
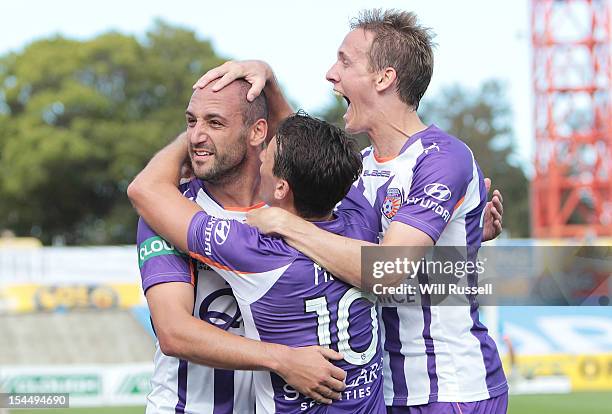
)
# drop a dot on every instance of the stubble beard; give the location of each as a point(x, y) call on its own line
point(226, 167)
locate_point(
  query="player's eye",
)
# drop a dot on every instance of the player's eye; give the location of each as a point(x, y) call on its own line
point(215, 124)
point(191, 122)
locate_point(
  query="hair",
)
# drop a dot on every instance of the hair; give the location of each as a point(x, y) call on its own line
point(401, 43)
point(318, 160)
point(252, 111)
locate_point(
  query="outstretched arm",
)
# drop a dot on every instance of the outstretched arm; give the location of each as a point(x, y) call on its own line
point(340, 255)
point(413, 227)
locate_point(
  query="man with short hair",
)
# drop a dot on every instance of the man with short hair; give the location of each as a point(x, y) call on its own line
point(427, 189)
point(202, 364)
point(284, 297)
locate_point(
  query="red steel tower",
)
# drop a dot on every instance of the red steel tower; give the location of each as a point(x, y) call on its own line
point(571, 194)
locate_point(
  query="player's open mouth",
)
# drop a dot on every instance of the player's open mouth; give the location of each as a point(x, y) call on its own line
point(346, 99)
point(201, 154)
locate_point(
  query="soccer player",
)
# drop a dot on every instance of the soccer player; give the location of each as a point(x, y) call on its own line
point(284, 296)
point(427, 189)
point(188, 306)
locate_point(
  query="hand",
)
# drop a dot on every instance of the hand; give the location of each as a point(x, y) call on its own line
point(309, 371)
point(269, 220)
point(256, 72)
point(493, 215)
point(187, 173)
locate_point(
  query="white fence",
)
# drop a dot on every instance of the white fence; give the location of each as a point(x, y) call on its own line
point(60, 265)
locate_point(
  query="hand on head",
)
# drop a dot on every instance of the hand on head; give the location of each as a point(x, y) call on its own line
point(256, 72)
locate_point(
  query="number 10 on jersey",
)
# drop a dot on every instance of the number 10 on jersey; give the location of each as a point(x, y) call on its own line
point(319, 305)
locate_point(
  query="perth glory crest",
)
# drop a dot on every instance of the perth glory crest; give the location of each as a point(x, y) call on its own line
point(391, 203)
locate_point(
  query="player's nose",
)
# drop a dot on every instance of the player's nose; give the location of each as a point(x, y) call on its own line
point(332, 74)
point(199, 134)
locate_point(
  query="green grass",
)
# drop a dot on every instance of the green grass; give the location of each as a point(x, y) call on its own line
point(85, 410)
point(575, 403)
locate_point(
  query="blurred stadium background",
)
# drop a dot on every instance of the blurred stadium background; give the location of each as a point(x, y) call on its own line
point(68, 326)
point(79, 118)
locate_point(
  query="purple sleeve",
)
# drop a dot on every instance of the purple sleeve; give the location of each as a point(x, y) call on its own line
point(439, 183)
point(158, 260)
point(359, 213)
point(235, 246)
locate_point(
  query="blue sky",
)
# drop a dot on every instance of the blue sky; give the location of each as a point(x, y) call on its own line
point(477, 39)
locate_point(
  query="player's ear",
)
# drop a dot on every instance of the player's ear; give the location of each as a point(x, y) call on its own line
point(281, 190)
point(385, 78)
point(259, 130)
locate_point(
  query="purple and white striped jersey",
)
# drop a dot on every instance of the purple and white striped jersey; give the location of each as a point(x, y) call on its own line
point(286, 298)
point(433, 353)
point(179, 386)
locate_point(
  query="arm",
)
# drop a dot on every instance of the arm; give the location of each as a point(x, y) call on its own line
point(156, 198)
point(259, 74)
point(337, 254)
point(321, 245)
point(181, 335)
point(279, 107)
point(340, 255)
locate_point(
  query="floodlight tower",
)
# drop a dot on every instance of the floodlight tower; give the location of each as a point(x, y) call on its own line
point(571, 194)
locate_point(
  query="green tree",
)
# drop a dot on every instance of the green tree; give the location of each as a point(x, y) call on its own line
point(79, 119)
point(482, 119)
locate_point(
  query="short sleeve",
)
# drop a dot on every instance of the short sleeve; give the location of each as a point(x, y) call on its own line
point(235, 246)
point(358, 212)
point(439, 184)
point(158, 260)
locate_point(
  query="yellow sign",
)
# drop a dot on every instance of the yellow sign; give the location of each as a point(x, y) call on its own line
point(32, 297)
point(20, 242)
point(585, 372)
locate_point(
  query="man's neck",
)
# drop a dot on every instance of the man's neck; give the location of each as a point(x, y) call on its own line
point(326, 217)
point(392, 127)
point(288, 205)
point(240, 191)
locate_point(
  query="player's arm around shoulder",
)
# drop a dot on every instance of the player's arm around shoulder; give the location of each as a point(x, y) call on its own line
point(338, 254)
point(156, 197)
